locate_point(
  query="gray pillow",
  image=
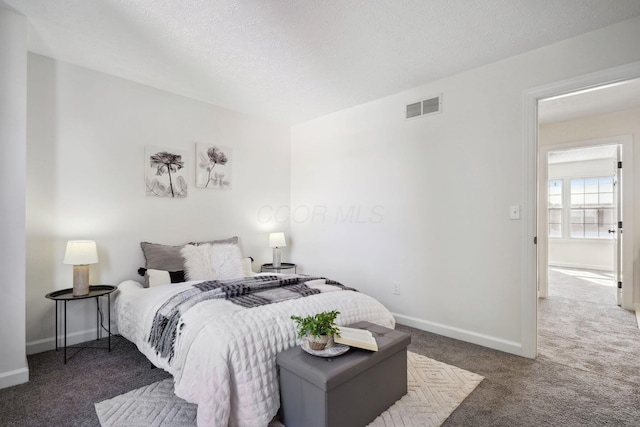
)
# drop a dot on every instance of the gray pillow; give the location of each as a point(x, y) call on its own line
point(169, 258)
point(230, 241)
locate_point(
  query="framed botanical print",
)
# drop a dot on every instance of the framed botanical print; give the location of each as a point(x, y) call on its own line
point(213, 166)
point(165, 172)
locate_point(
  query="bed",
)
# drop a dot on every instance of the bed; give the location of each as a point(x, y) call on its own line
point(219, 338)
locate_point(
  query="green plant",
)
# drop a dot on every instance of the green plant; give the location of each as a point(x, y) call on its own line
point(317, 325)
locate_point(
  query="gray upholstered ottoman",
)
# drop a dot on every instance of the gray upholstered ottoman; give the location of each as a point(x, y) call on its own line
point(348, 390)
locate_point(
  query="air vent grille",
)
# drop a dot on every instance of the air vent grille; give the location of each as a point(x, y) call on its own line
point(424, 108)
point(414, 110)
point(430, 106)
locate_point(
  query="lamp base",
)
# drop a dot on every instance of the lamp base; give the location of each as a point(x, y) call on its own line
point(80, 280)
point(277, 257)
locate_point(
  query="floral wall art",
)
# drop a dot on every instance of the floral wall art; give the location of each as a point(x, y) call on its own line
point(213, 166)
point(165, 172)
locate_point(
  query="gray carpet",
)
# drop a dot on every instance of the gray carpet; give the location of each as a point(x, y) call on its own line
point(435, 389)
point(64, 395)
point(549, 391)
point(582, 306)
point(554, 390)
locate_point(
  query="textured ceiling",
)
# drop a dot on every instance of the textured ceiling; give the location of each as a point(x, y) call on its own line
point(294, 60)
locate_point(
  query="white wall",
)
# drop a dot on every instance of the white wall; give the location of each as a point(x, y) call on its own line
point(604, 126)
point(591, 254)
point(13, 108)
point(87, 134)
point(580, 253)
point(443, 185)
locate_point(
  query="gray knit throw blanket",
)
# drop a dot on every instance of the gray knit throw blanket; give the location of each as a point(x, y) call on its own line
point(247, 292)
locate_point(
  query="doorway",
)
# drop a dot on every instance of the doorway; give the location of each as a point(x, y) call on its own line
point(531, 247)
point(585, 202)
point(580, 215)
point(567, 154)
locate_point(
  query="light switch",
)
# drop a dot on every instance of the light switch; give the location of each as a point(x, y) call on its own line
point(514, 212)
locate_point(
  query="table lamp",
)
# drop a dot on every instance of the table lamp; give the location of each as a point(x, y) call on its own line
point(81, 253)
point(277, 241)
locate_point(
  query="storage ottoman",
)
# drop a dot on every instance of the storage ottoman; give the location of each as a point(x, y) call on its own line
point(350, 390)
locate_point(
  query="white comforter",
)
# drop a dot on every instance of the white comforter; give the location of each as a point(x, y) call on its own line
point(225, 357)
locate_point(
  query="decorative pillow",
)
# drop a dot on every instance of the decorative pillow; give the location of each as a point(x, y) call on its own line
point(210, 262)
point(160, 277)
point(315, 282)
point(169, 258)
point(162, 257)
point(231, 241)
point(321, 285)
point(246, 266)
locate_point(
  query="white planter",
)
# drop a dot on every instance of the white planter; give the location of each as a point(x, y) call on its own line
point(318, 343)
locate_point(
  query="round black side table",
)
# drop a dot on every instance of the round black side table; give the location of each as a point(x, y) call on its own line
point(95, 291)
point(283, 266)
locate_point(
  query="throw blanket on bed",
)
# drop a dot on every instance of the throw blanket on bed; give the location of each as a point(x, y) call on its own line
point(247, 292)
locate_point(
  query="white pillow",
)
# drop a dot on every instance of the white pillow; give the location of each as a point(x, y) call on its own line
point(156, 277)
point(210, 262)
point(246, 267)
point(321, 285)
point(315, 282)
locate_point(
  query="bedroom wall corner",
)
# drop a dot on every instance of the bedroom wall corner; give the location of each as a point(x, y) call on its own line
point(87, 133)
point(13, 128)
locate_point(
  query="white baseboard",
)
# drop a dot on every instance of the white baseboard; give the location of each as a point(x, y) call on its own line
point(581, 266)
point(461, 334)
point(46, 344)
point(15, 377)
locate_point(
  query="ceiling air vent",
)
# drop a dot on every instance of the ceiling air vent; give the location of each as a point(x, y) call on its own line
point(424, 108)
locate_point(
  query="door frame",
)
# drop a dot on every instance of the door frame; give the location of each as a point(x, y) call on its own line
point(624, 141)
point(529, 283)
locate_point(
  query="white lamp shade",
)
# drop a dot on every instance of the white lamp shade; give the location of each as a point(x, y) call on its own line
point(81, 252)
point(276, 240)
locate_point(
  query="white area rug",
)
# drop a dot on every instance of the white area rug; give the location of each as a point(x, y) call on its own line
point(435, 391)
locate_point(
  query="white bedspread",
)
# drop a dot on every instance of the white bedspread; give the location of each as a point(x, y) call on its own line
point(225, 356)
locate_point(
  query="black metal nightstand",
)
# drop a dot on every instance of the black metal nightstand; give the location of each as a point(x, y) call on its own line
point(96, 292)
point(283, 266)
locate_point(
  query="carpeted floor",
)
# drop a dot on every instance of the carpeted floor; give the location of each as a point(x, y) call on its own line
point(435, 389)
point(64, 395)
point(591, 333)
point(596, 384)
point(560, 388)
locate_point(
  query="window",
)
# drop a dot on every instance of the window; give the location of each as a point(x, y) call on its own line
point(554, 216)
point(592, 208)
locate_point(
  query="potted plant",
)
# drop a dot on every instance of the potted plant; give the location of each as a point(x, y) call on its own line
point(317, 328)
